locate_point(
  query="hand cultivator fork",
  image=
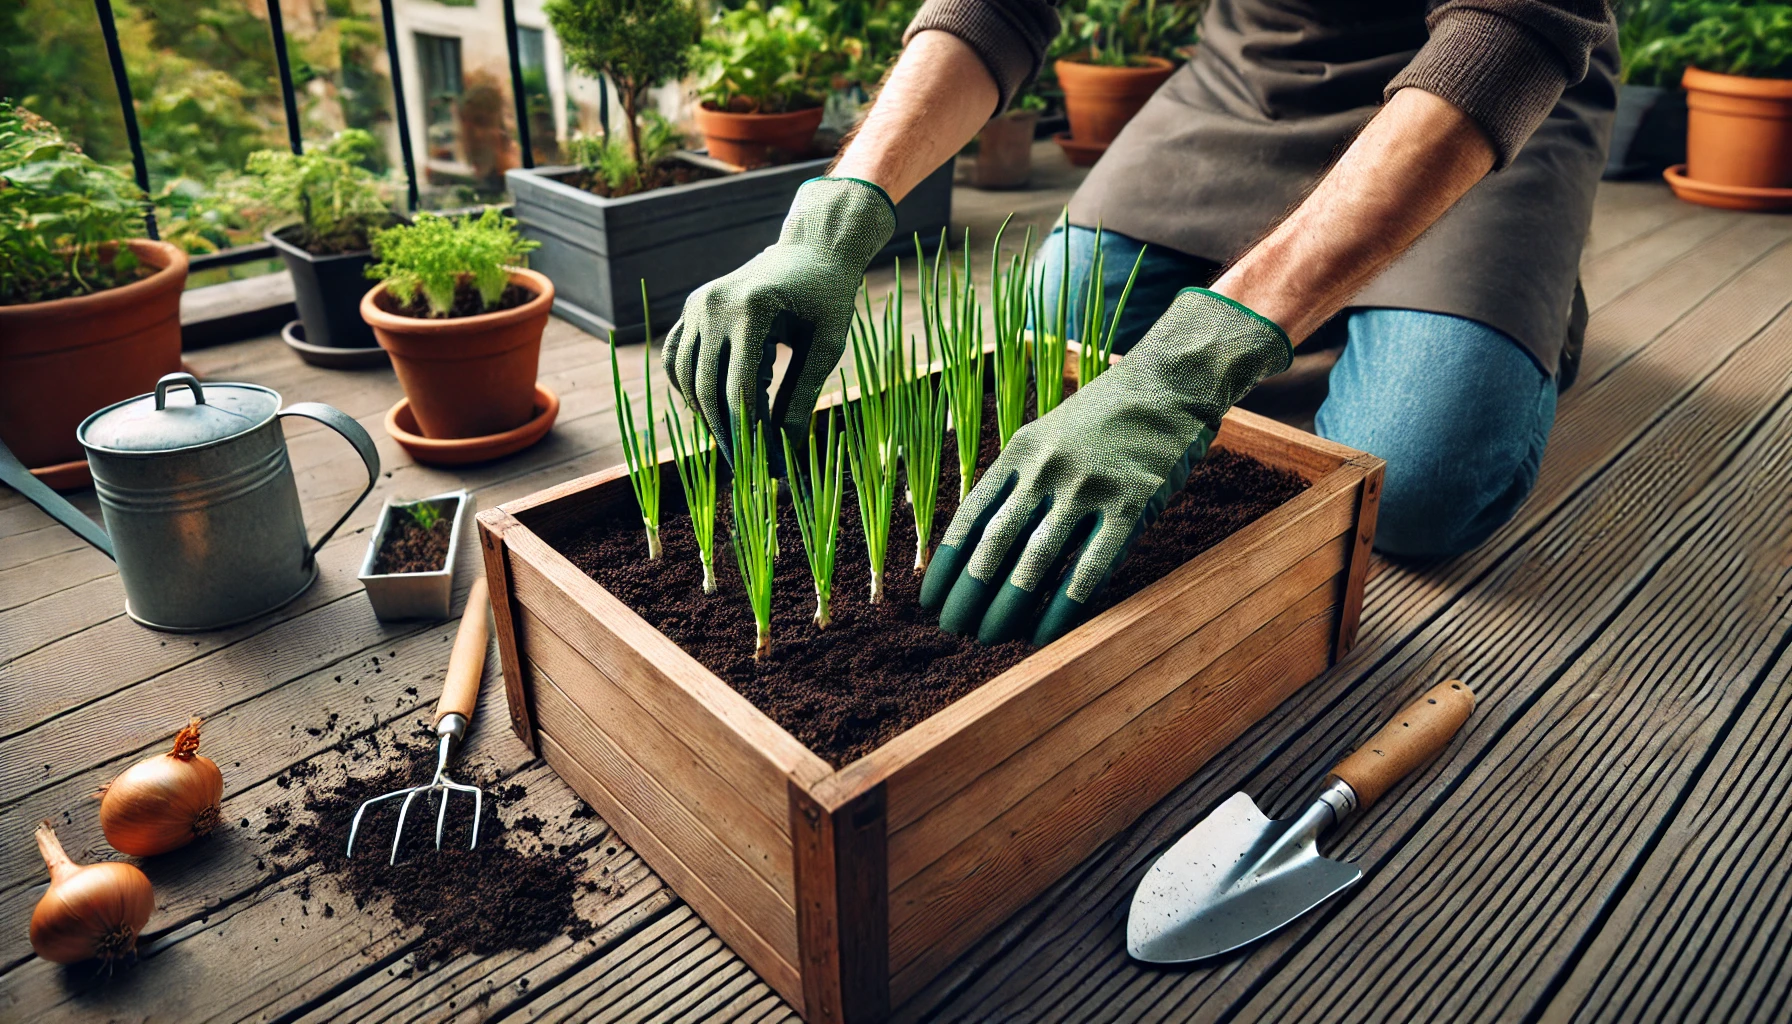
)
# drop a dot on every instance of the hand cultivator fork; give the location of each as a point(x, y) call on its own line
point(460, 694)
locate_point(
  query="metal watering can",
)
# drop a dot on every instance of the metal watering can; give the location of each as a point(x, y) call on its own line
point(202, 514)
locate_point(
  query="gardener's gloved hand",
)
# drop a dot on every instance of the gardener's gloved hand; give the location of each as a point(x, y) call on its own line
point(1080, 485)
point(803, 284)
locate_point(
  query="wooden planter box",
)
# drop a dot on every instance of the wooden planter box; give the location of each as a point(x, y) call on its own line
point(849, 890)
point(597, 251)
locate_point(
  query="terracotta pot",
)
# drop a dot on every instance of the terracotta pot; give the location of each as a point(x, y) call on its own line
point(466, 376)
point(1100, 100)
point(754, 140)
point(64, 359)
point(1738, 130)
point(1005, 151)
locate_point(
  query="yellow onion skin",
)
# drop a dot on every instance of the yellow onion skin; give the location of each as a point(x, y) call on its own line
point(90, 911)
point(163, 803)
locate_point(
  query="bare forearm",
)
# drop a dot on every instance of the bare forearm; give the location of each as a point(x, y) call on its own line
point(1409, 165)
point(937, 97)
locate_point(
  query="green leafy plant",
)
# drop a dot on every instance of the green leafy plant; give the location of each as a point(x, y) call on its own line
point(1051, 341)
point(1096, 347)
point(755, 509)
point(435, 256)
point(816, 497)
point(337, 200)
point(61, 214)
point(921, 410)
point(864, 37)
point(755, 60)
point(1008, 296)
point(954, 316)
point(426, 514)
point(1121, 32)
point(637, 44)
point(611, 159)
point(1730, 37)
point(695, 456)
point(640, 449)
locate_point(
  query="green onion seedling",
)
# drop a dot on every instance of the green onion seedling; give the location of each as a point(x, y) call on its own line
point(1008, 296)
point(871, 452)
point(956, 318)
point(816, 497)
point(1097, 347)
point(1051, 342)
point(640, 449)
point(922, 425)
point(695, 456)
point(755, 513)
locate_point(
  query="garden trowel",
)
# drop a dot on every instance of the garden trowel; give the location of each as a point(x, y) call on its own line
point(1237, 876)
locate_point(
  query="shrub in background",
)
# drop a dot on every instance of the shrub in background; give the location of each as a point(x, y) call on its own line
point(637, 44)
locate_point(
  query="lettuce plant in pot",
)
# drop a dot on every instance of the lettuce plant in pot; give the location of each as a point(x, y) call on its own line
point(760, 83)
point(1737, 70)
point(334, 205)
point(89, 307)
point(1112, 55)
point(462, 320)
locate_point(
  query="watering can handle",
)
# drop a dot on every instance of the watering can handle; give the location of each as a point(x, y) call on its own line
point(14, 475)
point(340, 422)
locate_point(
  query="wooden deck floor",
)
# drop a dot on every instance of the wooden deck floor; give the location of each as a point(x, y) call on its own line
point(1606, 840)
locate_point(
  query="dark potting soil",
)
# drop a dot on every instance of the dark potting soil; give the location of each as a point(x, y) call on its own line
point(658, 176)
point(408, 547)
point(877, 669)
point(466, 302)
point(503, 895)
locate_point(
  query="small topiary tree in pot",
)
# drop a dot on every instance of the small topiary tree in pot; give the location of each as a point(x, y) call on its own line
point(636, 44)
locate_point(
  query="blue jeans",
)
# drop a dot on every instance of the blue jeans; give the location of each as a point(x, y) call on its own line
point(1459, 410)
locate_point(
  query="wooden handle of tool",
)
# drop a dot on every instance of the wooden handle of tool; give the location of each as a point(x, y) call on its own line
point(1415, 736)
point(466, 666)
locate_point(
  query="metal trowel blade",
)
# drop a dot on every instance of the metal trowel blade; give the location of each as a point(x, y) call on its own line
point(1234, 878)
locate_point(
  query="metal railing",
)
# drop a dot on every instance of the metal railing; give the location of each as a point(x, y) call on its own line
point(289, 100)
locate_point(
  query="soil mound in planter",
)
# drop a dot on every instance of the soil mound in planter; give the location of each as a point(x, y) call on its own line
point(466, 302)
point(408, 547)
point(486, 900)
point(876, 670)
point(657, 176)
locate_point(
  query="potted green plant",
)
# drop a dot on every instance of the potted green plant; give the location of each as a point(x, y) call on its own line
point(408, 570)
point(1735, 61)
point(89, 308)
point(462, 320)
point(1112, 55)
point(677, 221)
point(760, 83)
point(334, 205)
point(1649, 122)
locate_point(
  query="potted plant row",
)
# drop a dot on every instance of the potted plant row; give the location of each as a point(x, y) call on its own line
point(1734, 60)
point(1111, 57)
point(674, 651)
point(89, 307)
point(462, 319)
point(637, 208)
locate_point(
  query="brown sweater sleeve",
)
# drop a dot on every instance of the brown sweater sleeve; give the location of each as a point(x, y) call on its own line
point(1506, 62)
point(1010, 36)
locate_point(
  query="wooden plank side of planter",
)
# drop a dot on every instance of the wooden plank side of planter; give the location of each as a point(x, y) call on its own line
point(920, 843)
point(1281, 446)
point(727, 817)
point(767, 962)
point(942, 755)
point(942, 911)
point(493, 525)
point(723, 728)
point(842, 905)
point(655, 804)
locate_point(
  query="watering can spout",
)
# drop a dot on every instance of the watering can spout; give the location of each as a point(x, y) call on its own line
point(14, 475)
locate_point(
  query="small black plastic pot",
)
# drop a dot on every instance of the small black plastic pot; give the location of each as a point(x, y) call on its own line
point(328, 292)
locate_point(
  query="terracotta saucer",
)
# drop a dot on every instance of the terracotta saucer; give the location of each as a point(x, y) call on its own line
point(459, 451)
point(1727, 197)
point(329, 357)
point(1080, 154)
point(72, 476)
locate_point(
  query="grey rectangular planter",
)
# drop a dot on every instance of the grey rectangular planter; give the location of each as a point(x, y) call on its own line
point(413, 595)
point(597, 250)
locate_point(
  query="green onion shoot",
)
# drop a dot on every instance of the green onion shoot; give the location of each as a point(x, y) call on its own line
point(816, 497)
point(1097, 347)
point(1008, 296)
point(640, 449)
point(755, 513)
point(694, 454)
point(955, 317)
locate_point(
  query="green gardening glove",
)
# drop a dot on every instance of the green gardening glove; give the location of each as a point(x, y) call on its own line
point(1073, 491)
point(803, 286)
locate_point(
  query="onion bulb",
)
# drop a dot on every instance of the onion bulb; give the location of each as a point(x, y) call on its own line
point(91, 910)
point(163, 803)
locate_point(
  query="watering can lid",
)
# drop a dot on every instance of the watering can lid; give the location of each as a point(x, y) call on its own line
point(180, 413)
